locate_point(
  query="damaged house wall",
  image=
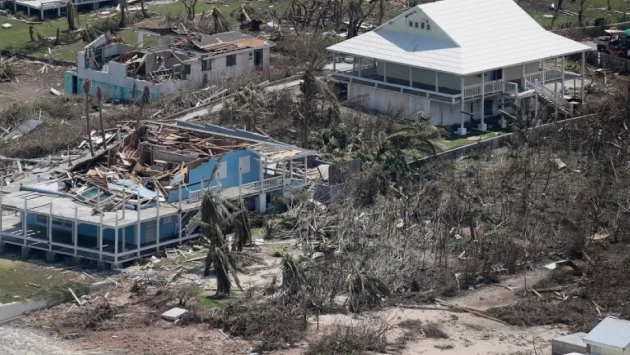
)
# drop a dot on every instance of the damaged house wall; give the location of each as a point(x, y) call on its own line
point(117, 83)
point(229, 174)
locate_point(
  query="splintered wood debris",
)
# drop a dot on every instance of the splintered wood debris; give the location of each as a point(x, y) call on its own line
point(142, 168)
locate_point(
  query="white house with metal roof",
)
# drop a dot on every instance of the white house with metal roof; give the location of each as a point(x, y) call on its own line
point(458, 60)
point(610, 337)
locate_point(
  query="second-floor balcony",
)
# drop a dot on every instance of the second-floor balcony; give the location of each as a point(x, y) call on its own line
point(438, 86)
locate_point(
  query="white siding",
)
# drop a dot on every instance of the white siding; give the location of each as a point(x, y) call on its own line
point(441, 113)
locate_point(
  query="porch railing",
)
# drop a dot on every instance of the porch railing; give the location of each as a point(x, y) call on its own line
point(253, 188)
point(489, 87)
point(547, 75)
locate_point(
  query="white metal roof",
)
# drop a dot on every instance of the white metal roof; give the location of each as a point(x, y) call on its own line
point(611, 332)
point(484, 35)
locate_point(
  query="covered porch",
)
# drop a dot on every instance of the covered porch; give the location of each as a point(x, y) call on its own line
point(510, 82)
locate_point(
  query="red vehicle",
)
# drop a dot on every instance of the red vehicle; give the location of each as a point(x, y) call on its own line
point(616, 43)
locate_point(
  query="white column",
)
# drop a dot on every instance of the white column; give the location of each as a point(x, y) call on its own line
point(482, 126)
point(410, 77)
point(138, 228)
point(116, 241)
point(543, 72)
point(523, 76)
point(536, 100)
point(41, 14)
point(564, 63)
point(334, 62)
point(1, 193)
point(75, 229)
point(437, 82)
point(240, 182)
point(157, 224)
point(582, 84)
point(461, 131)
point(179, 215)
point(291, 170)
point(25, 223)
point(385, 71)
point(28, 11)
point(140, 39)
point(58, 12)
point(123, 205)
point(100, 236)
point(359, 64)
point(50, 226)
point(124, 239)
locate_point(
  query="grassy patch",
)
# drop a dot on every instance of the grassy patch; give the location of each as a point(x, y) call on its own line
point(19, 281)
point(208, 303)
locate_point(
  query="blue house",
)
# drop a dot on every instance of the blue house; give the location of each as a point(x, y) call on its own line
point(144, 192)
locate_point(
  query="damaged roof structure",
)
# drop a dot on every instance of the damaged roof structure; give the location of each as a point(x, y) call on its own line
point(144, 192)
point(182, 61)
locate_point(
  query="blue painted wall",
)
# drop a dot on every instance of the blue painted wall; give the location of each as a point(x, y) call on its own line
point(121, 93)
point(204, 171)
point(168, 230)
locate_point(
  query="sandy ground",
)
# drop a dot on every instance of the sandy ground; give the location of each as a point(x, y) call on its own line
point(139, 334)
point(30, 84)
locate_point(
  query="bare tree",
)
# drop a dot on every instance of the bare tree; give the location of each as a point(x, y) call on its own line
point(356, 16)
point(190, 5)
point(99, 99)
point(87, 85)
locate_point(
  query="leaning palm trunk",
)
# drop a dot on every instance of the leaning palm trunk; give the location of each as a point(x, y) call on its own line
point(219, 258)
point(242, 229)
point(99, 98)
point(71, 16)
point(144, 101)
point(86, 89)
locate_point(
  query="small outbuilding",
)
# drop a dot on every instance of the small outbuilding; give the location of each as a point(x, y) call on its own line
point(567, 344)
point(610, 337)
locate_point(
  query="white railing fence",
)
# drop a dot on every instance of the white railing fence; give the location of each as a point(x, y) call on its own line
point(252, 188)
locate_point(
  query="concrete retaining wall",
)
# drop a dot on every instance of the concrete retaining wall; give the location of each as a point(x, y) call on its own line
point(15, 309)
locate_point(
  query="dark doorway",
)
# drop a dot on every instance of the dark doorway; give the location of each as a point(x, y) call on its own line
point(258, 57)
point(75, 84)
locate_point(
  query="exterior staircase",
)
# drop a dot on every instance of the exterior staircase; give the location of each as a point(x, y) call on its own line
point(550, 98)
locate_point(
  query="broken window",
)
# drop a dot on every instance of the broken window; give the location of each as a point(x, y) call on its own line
point(230, 60)
point(206, 64)
point(41, 219)
point(185, 71)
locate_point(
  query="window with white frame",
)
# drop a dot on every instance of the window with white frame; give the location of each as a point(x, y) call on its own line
point(244, 164)
point(222, 170)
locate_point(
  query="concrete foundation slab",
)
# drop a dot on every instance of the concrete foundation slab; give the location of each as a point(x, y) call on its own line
point(174, 314)
point(482, 127)
point(461, 131)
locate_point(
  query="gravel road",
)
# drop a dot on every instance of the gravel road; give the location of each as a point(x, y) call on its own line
point(24, 341)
